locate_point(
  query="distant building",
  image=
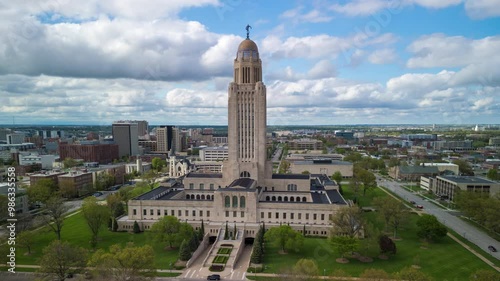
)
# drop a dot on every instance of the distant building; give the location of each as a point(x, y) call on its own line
point(53, 175)
point(494, 141)
point(142, 128)
point(447, 186)
point(45, 161)
point(323, 166)
point(21, 199)
point(90, 152)
point(168, 138)
point(15, 138)
point(443, 167)
point(139, 166)
point(217, 153)
point(344, 134)
point(303, 144)
point(75, 183)
point(412, 173)
point(125, 135)
point(148, 145)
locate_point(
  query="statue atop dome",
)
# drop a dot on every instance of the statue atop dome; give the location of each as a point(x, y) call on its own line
point(248, 27)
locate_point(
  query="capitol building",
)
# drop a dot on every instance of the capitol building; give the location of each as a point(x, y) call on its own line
point(247, 193)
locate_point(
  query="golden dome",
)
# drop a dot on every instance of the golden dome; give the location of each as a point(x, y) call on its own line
point(248, 45)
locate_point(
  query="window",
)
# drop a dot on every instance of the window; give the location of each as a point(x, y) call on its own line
point(227, 214)
point(261, 215)
point(322, 217)
point(277, 215)
point(144, 212)
point(242, 202)
point(211, 186)
point(158, 212)
point(208, 213)
point(135, 212)
point(291, 216)
point(187, 213)
point(172, 213)
point(227, 202)
point(307, 216)
point(179, 213)
point(291, 187)
point(242, 214)
point(234, 214)
point(284, 215)
point(314, 216)
point(202, 186)
point(201, 213)
point(244, 174)
point(191, 186)
point(330, 217)
point(300, 216)
point(194, 213)
point(269, 215)
point(151, 211)
point(165, 212)
point(235, 201)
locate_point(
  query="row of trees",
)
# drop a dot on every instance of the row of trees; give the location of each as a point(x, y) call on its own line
point(258, 247)
point(481, 208)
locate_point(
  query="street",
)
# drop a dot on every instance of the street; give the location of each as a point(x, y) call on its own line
point(469, 232)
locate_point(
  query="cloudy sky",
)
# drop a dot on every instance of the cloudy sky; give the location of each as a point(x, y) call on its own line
point(325, 62)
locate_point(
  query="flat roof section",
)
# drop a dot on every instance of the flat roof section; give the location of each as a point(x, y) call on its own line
point(335, 197)
point(207, 176)
point(467, 179)
point(290, 176)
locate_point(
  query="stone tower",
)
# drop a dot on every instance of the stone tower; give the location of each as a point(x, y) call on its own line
point(246, 117)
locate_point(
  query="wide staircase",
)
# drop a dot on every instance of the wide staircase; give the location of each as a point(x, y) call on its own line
point(238, 243)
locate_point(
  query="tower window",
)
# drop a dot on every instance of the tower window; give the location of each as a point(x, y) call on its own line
point(227, 202)
point(244, 174)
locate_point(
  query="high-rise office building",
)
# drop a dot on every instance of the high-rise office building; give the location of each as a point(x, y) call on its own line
point(126, 137)
point(168, 138)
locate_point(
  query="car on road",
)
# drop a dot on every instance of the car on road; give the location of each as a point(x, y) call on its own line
point(492, 249)
point(213, 277)
point(97, 194)
point(420, 206)
point(413, 202)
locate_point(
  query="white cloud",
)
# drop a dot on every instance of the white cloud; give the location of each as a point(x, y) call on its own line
point(439, 50)
point(382, 56)
point(481, 9)
point(313, 16)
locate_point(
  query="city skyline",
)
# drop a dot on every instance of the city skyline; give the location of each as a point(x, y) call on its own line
point(326, 62)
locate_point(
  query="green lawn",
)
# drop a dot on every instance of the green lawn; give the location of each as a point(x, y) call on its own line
point(220, 259)
point(444, 260)
point(75, 231)
point(224, 251)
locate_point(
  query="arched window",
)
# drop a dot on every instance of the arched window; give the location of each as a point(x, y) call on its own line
point(203, 197)
point(227, 202)
point(198, 197)
point(280, 199)
point(291, 187)
point(242, 202)
point(298, 199)
point(285, 199)
point(188, 197)
point(292, 199)
point(304, 199)
point(235, 201)
point(244, 174)
point(267, 198)
point(273, 198)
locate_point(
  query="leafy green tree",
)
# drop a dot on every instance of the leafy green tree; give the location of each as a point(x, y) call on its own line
point(184, 251)
point(128, 263)
point(337, 177)
point(368, 179)
point(430, 228)
point(464, 168)
point(96, 216)
point(393, 211)
point(171, 231)
point(285, 238)
point(26, 239)
point(42, 191)
point(104, 181)
point(61, 258)
point(137, 229)
point(493, 174)
point(69, 162)
point(348, 221)
point(54, 211)
point(306, 172)
point(157, 164)
point(344, 244)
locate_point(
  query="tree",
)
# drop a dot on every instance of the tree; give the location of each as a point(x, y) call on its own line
point(25, 239)
point(115, 206)
point(337, 177)
point(42, 190)
point(157, 164)
point(392, 210)
point(257, 253)
point(104, 181)
point(226, 232)
point(412, 274)
point(344, 244)
point(54, 211)
point(61, 258)
point(305, 269)
point(493, 174)
point(96, 216)
point(368, 179)
point(137, 229)
point(285, 238)
point(69, 162)
point(374, 274)
point(306, 172)
point(128, 263)
point(430, 228)
point(184, 251)
point(464, 167)
point(171, 231)
point(387, 245)
point(485, 275)
point(347, 221)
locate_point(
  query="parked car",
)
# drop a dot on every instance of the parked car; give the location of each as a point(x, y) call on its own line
point(420, 206)
point(413, 202)
point(213, 277)
point(492, 249)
